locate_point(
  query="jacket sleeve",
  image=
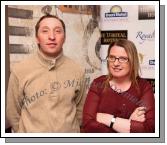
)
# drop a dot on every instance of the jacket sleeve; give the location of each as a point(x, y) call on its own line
point(90, 110)
point(80, 98)
point(13, 108)
point(148, 101)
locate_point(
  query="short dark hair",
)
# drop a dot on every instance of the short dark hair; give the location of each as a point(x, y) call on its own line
point(48, 16)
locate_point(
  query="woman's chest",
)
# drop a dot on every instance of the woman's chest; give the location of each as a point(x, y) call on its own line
point(118, 104)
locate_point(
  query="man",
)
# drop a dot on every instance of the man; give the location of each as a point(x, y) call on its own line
point(46, 91)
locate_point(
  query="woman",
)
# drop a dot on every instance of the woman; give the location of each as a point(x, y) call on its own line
point(120, 101)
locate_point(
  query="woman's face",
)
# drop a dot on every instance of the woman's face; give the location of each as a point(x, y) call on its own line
point(118, 63)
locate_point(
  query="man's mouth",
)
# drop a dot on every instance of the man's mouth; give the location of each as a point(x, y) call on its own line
point(51, 44)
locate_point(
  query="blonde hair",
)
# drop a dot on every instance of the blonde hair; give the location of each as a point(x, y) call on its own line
point(132, 53)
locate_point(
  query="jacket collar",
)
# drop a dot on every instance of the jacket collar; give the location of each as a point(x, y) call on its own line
point(50, 63)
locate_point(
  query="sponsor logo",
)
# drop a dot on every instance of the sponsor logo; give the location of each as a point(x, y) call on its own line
point(152, 62)
point(141, 57)
point(147, 67)
point(146, 12)
point(142, 36)
point(116, 11)
point(108, 37)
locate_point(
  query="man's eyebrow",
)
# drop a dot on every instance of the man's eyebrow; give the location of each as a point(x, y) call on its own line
point(45, 27)
point(58, 27)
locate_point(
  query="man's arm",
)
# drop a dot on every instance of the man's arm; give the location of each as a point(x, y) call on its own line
point(13, 109)
point(80, 99)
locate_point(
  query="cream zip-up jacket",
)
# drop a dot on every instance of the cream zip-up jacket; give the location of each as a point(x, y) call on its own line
point(46, 95)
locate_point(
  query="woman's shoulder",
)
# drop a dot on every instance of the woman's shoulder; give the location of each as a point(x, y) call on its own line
point(98, 83)
point(101, 79)
point(142, 80)
point(143, 83)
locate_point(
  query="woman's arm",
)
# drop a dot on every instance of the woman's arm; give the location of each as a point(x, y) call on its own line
point(90, 110)
point(141, 120)
point(148, 101)
point(122, 125)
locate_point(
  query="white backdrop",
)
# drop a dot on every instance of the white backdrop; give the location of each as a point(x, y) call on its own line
point(141, 32)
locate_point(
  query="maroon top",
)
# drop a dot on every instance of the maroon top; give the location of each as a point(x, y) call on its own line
point(102, 99)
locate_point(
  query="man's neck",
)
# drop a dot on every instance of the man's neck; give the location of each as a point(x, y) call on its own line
point(51, 57)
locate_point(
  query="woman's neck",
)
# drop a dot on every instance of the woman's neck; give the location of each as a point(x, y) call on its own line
point(121, 80)
point(122, 84)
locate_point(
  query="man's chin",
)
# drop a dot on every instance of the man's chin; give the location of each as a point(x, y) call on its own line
point(53, 53)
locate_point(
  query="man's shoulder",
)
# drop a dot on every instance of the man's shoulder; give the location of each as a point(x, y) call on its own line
point(24, 65)
point(74, 65)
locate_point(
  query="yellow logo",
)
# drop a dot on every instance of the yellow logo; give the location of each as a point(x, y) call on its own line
point(141, 57)
point(115, 9)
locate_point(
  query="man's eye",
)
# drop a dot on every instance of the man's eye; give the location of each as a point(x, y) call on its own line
point(58, 31)
point(44, 30)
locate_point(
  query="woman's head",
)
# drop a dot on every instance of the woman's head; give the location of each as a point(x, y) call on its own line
point(123, 60)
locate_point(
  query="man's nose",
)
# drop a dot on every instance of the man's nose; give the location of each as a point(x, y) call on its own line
point(52, 36)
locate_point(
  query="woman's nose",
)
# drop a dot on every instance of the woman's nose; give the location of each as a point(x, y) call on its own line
point(116, 62)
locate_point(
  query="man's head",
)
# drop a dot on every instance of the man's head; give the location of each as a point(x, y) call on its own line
point(50, 35)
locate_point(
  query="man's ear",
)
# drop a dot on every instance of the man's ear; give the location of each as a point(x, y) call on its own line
point(37, 41)
point(64, 38)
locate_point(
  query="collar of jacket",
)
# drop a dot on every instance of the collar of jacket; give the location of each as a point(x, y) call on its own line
point(49, 62)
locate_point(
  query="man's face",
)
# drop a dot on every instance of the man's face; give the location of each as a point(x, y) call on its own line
point(50, 36)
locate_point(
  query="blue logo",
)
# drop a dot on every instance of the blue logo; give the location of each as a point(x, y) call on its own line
point(116, 11)
point(152, 62)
